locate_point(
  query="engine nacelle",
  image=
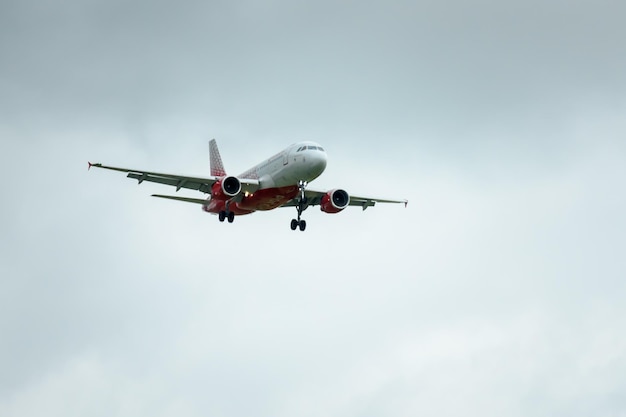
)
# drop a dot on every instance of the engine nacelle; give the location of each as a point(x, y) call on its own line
point(226, 188)
point(334, 201)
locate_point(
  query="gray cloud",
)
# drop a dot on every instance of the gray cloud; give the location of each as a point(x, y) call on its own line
point(410, 63)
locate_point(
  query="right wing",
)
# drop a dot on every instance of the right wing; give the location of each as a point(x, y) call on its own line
point(179, 181)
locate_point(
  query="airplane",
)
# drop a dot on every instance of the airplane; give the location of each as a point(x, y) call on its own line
point(279, 181)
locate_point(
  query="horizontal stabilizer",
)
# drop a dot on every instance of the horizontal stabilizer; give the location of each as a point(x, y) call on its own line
point(185, 199)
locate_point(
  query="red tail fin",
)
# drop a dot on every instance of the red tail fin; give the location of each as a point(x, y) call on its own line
point(217, 168)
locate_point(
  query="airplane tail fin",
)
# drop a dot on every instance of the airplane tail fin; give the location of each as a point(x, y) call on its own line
point(217, 167)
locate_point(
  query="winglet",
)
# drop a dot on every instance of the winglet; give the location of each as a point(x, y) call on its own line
point(406, 203)
point(89, 165)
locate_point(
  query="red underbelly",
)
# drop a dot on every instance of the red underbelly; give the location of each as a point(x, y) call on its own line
point(268, 199)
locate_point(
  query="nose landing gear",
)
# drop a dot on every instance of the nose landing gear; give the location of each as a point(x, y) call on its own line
point(301, 206)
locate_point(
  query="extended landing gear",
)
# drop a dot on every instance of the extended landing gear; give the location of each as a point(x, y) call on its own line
point(223, 215)
point(301, 206)
point(298, 223)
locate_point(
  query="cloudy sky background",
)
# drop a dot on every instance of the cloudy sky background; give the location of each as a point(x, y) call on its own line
point(498, 291)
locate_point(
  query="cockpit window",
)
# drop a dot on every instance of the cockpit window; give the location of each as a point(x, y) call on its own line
point(310, 147)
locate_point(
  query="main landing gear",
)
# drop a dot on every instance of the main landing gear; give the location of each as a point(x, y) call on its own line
point(226, 215)
point(298, 223)
point(301, 206)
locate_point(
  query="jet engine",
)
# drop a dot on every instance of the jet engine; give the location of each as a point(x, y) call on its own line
point(226, 188)
point(334, 201)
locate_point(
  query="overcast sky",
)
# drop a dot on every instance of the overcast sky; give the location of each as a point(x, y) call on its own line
point(498, 291)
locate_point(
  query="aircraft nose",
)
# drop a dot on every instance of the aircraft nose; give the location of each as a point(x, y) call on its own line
point(318, 162)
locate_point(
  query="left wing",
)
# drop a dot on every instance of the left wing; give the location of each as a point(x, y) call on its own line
point(314, 198)
point(178, 181)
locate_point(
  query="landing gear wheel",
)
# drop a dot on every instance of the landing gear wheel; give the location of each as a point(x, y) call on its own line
point(301, 205)
point(231, 217)
point(222, 215)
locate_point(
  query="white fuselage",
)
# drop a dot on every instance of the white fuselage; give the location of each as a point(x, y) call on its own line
point(303, 161)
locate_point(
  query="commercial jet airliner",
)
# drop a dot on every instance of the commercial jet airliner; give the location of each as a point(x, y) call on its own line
point(280, 181)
